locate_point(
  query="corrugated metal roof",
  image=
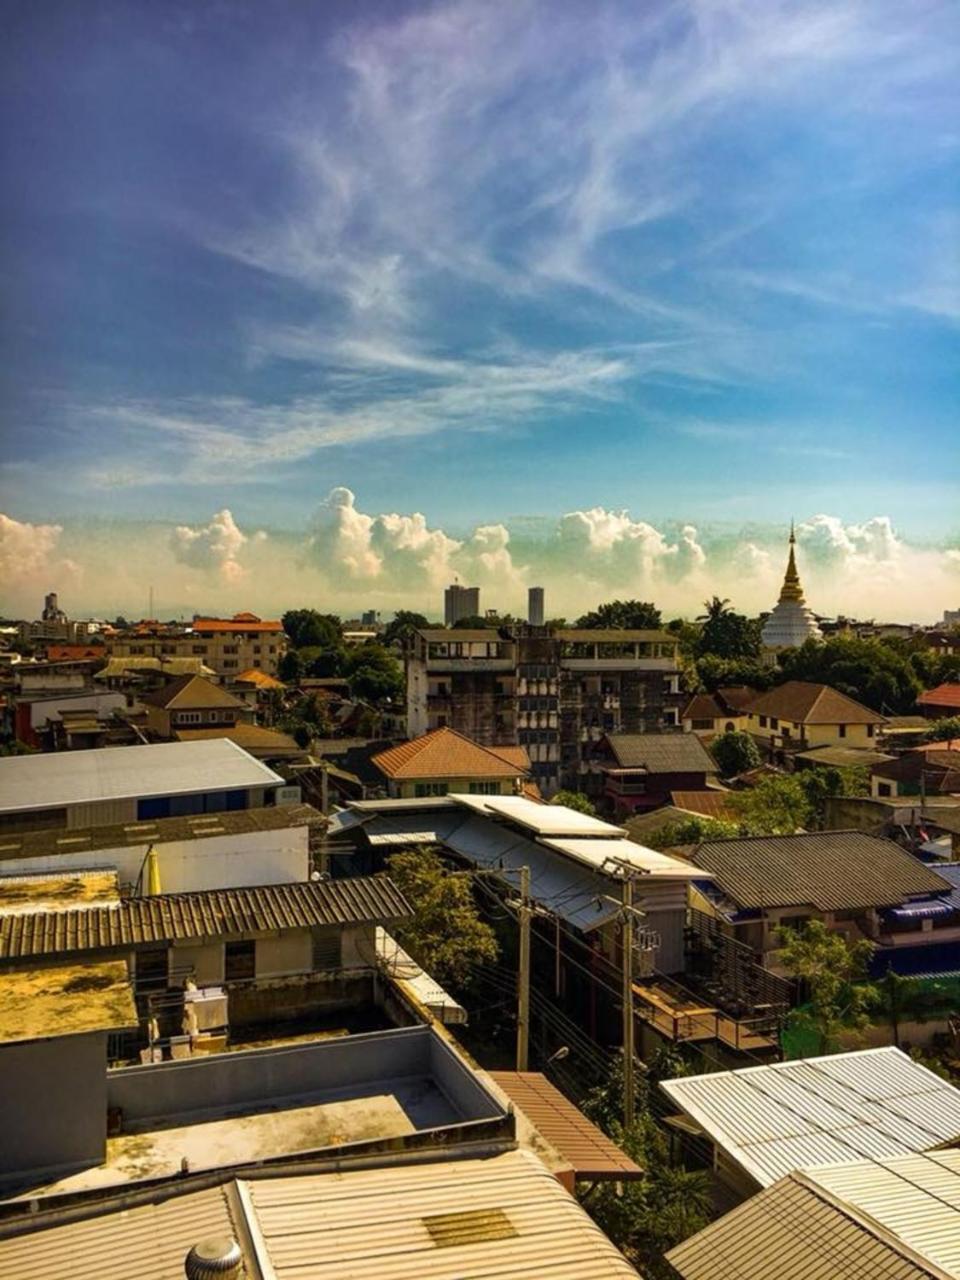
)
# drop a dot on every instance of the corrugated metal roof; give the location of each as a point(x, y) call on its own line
point(545, 819)
point(121, 773)
point(209, 913)
point(506, 1216)
point(795, 1232)
point(830, 870)
point(593, 1155)
point(917, 1198)
point(774, 1119)
point(662, 752)
point(411, 828)
point(595, 853)
point(425, 988)
point(151, 1241)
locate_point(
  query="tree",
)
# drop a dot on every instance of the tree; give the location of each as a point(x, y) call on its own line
point(622, 615)
point(726, 634)
point(400, 630)
point(290, 667)
point(867, 670)
point(692, 830)
point(943, 730)
point(374, 673)
point(821, 782)
point(17, 748)
point(576, 800)
point(898, 1000)
point(735, 752)
point(306, 628)
point(715, 673)
point(777, 805)
point(446, 934)
point(302, 736)
point(473, 623)
point(833, 972)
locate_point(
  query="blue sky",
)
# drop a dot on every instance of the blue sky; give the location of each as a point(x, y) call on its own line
point(700, 261)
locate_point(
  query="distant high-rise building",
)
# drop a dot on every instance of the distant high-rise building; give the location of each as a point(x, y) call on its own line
point(791, 621)
point(51, 609)
point(535, 606)
point(460, 602)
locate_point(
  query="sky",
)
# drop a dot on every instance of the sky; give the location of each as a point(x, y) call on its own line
point(328, 303)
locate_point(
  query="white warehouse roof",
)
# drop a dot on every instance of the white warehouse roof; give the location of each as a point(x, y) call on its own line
point(647, 861)
point(871, 1104)
point(544, 819)
point(50, 781)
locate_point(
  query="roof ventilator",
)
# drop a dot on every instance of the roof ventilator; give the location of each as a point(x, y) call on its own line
point(219, 1258)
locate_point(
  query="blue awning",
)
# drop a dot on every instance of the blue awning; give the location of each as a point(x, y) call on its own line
point(925, 960)
point(926, 910)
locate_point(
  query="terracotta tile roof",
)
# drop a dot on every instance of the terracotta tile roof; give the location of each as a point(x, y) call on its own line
point(711, 804)
point(260, 678)
point(239, 622)
point(804, 703)
point(444, 753)
point(189, 693)
point(944, 695)
point(829, 870)
point(703, 706)
point(74, 652)
point(736, 696)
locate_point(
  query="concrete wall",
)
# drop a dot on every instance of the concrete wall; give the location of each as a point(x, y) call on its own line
point(192, 1087)
point(215, 862)
point(53, 1104)
point(49, 709)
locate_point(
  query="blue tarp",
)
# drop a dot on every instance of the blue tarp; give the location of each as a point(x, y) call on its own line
point(926, 960)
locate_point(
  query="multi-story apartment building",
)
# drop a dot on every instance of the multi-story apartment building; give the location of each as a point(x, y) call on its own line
point(460, 602)
point(555, 692)
point(226, 645)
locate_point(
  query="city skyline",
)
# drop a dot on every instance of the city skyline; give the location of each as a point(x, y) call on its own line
point(603, 295)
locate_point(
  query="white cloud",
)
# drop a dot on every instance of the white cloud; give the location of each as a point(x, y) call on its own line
point(29, 566)
point(214, 547)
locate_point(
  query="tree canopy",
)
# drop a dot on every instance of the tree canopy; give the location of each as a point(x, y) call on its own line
point(735, 752)
point(833, 972)
point(374, 673)
point(726, 634)
point(576, 800)
point(403, 625)
point(627, 615)
point(306, 628)
point(869, 671)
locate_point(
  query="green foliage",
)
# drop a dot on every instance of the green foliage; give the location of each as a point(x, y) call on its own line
point(898, 1000)
point(648, 1217)
point(867, 670)
point(943, 730)
point(446, 934)
point(302, 735)
point(833, 972)
point(629, 615)
point(401, 629)
point(777, 805)
point(823, 781)
point(715, 673)
point(306, 628)
point(290, 667)
point(374, 673)
point(692, 830)
point(321, 663)
point(471, 623)
point(688, 634)
point(934, 668)
point(735, 752)
point(575, 800)
point(17, 748)
point(726, 634)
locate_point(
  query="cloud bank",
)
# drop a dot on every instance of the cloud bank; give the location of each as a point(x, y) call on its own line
point(348, 559)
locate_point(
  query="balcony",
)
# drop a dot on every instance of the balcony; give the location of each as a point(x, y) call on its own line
point(678, 1015)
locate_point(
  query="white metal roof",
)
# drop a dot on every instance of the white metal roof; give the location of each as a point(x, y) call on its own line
point(872, 1103)
point(545, 819)
point(917, 1198)
point(121, 773)
point(403, 968)
point(506, 1216)
point(597, 852)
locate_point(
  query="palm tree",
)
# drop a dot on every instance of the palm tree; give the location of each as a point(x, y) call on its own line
point(715, 609)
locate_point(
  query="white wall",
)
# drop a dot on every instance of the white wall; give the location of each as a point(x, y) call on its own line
point(216, 862)
point(49, 709)
point(287, 953)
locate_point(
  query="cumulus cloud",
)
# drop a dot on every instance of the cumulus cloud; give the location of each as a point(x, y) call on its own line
point(827, 540)
point(28, 560)
point(610, 547)
point(215, 547)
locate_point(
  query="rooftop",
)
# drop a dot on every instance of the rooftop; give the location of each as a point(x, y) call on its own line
point(208, 913)
point(70, 890)
point(844, 757)
point(249, 737)
point(944, 695)
point(44, 844)
point(239, 622)
point(613, 635)
point(803, 703)
point(772, 1120)
point(503, 1215)
point(444, 753)
point(706, 804)
point(66, 1000)
point(829, 870)
point(191, 692)
point(661, 752)
point(597, 853)
point(119, 773)
point(544, 819)
point(253, 675)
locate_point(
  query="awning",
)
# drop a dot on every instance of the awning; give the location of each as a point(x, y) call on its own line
point(593, 1155)
point(927, 910)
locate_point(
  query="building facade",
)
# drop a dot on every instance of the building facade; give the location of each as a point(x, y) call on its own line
point(460, 602)
point(225, 645)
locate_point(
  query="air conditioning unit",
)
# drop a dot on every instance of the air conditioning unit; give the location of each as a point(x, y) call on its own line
point(288, 795)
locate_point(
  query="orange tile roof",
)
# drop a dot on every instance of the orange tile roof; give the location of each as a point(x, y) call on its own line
point(66, 652)
point(805, 703)
point(239, 622)
point(444, 753)
point(259, 678)
point(945, 695)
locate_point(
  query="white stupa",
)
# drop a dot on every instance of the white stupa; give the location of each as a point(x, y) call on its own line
point(791, 621)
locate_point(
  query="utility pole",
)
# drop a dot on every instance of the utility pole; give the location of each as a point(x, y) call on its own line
point(523, 1010)
point(629, 1083)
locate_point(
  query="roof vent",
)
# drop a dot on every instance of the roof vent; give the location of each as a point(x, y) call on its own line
point(218, 1258)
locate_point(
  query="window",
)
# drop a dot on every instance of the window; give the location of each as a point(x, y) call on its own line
point(188, 717)
point(239, 961)
point(484, 788)
point(151, 969)
point(763, 722)
point(326, 949)
point(200, 649)
point(231, 648)
point(422, 789)
point(870, 729)
point(256, 648)
point(842, 730)
point(884, 789)
point(774, 722)
point(702, 724)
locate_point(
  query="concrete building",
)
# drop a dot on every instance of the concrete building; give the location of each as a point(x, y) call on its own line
point(799, 715)
point(535, 607)
point(225, 645)
point(53, 626)
point(460, 602)
point(791, 622)
point(131, 784)
point(191, 702)
point(556, 693)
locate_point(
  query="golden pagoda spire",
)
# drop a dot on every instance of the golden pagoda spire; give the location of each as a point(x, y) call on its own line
point(791, 589)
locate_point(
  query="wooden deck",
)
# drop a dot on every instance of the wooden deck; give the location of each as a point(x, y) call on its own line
point(675, 1015)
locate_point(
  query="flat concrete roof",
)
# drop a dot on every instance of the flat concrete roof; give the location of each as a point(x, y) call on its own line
point(122, 773)
point(63, 891)
point(65, 1000)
